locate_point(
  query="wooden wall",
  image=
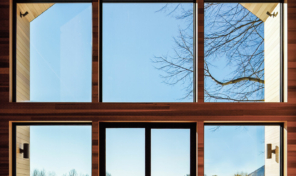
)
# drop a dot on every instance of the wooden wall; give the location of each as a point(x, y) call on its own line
point(145, 112)
point(272, 136)
point(22, 164)
point(23, 58)
point(272, 57)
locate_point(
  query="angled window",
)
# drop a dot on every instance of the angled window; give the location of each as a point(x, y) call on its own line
point(52, 149)
point(53, 52)
point(148, 51)
point(243, 150)
point(147, 149)
point(242, 52)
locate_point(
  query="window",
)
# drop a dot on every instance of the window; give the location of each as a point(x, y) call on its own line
point(52, 149)
point(242, 52)
point(243, 149)
point(148, 52)
point(156, 149)
point(53, 52)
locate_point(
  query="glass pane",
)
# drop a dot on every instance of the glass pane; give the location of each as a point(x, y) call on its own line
point(54, 52)
point(241, 150)
point(54, 150)
point(125, 152)
point(170, 152)
point(148, 52)
point(242, 52)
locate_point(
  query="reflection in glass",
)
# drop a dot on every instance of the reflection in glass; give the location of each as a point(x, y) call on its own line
point(54, 52)
point(242, 52)
point(241, 150)
point(148, 52)
point(54, 150)
point(125, 152)
point(170, 152)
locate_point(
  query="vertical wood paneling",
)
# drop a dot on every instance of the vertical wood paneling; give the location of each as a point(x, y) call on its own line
point(272, 136)
point(272, 56)
point(23, 56)
point(22, 136)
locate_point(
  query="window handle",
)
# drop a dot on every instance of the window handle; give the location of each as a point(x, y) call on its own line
point(270, 152)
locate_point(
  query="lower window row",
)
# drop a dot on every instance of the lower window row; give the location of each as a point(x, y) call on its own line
point(144, 149)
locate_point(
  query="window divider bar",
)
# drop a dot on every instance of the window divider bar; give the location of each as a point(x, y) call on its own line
point(200, 51)
point(148, 151)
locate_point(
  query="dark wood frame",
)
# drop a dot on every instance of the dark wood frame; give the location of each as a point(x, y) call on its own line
point(148, 127)
point(97, 112)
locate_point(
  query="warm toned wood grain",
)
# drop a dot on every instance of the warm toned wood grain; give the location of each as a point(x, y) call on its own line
point(260, 9)
point(95, 55)
point(95, 148)
point(23, 56)
point(23, 165)
point(34, 9)
point(200, 131)
point(200, 51)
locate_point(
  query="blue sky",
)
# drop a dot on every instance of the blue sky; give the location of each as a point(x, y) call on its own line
point(230, 149)
point(60, 149)
point(61, 66)
point(133, 34)
point(125, 152)
point(233, 149)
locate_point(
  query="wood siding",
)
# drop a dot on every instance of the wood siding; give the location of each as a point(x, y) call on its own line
point(272, 57)
point(146, 112)
point(22, 165)
point(272, 136)
point(33, 9)
point(23, 58)
point(260, 9)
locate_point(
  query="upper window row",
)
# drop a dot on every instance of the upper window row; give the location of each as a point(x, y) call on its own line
point(148, 52)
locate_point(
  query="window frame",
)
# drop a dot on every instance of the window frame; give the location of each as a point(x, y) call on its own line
point(147, 126)
point(281, 125)
point(14, 38)
point(14, 133)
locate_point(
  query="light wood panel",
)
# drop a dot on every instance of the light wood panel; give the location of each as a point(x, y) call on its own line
point(23, 165)
point(272, 57)
point(23, 58)
point(272, 136)
point(23, 46)
point(33, 9)
point(260, 9)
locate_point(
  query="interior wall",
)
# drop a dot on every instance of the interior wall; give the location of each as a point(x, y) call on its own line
point(272, 136)
point(272, 57)
point(22, 165)
point(23, 58)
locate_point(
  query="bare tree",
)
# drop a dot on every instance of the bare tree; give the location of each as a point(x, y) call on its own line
point(73, 173)
point(35, 172)
point(42, 173)
point(232, 35)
